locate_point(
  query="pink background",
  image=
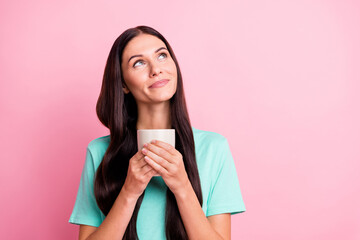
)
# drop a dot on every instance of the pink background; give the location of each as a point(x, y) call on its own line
point(279, 79)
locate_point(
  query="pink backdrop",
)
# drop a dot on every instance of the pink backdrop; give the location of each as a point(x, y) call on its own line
point(279, 79)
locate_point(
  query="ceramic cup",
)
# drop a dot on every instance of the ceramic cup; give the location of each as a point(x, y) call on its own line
point(146, 135)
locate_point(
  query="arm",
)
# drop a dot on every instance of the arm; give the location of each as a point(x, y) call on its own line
point(115, 223)
point(222, 224)
point(196, 224)
point(168, 162)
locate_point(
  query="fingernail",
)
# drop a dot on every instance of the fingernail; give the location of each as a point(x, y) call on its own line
point(153, 141)
point(144, 151)
point(145, 145)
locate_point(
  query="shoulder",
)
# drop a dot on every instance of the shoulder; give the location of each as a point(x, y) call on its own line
point(212, 152)
point(207, 138)
point(97, 148)
point(99, 143)
point(210, 146)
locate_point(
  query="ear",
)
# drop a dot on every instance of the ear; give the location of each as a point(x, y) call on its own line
point(125, 89)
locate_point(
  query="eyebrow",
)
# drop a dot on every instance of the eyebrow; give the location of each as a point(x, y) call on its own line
point(140, 55)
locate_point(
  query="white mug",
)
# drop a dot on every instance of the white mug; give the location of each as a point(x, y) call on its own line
point(146, 135)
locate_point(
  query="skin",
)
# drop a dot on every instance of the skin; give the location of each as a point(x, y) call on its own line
point(156, 157)
point(153, 103)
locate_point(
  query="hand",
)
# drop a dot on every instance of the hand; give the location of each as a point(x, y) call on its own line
point(168, 162)
point(138, 176)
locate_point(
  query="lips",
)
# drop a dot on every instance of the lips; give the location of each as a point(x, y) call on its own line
point(159, 83)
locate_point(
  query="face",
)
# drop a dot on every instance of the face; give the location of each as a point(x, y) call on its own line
point(145, 61)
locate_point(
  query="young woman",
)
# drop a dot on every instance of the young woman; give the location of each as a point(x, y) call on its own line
point(120, 196)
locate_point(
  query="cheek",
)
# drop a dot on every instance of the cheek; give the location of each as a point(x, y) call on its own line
point(136, 80)
point(171, 67)
point(173, 71)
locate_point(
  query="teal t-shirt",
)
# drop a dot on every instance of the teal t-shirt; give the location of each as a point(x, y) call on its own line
point(219, 184)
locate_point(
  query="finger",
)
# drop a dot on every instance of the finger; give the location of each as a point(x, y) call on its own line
point(157, 167)
point(151, 173)
point(161, 152)
point(146, 168)
point(169, 148)
point(159, 160)
point(138, 156)
point(141, 163)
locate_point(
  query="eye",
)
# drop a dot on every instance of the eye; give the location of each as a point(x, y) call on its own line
point(163, 54)
point(137, 62)
point(140, 61)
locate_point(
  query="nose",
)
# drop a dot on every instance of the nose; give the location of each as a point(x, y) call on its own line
point(155, 69)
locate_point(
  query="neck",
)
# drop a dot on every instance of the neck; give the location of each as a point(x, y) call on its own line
point(156, 116)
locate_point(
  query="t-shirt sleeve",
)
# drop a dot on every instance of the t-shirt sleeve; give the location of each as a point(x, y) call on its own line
point(225, 193)
point(86, 210)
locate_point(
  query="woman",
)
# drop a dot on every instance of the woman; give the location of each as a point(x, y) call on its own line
point(118, 196)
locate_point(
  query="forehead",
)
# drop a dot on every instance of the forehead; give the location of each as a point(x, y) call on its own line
point(142, 44)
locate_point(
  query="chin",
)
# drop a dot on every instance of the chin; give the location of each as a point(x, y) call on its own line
point(164, 97)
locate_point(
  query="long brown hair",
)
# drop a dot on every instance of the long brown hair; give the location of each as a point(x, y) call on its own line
point(118, 112)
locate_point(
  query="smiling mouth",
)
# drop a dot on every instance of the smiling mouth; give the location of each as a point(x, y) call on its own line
point(160, 83)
